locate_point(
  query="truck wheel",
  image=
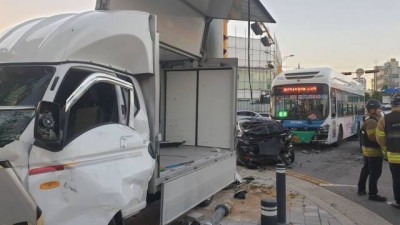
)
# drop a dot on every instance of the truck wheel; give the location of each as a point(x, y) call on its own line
point(340, 137)
point(117, 219)
point(113, 222)
point(206, 202)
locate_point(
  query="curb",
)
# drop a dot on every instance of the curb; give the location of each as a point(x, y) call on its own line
point(342, 209)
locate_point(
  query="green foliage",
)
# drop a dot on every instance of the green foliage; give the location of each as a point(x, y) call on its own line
point(367, 96)
point(376, 95)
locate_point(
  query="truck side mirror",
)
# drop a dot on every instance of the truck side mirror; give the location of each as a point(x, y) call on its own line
point(47, 130)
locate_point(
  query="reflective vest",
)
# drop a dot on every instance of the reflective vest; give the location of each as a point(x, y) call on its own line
point(369, 148)
point(392, 131)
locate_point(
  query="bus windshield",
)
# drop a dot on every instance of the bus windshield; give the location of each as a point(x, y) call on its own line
point(304, 102)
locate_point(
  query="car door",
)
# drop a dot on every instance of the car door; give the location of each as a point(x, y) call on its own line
point(104, 164)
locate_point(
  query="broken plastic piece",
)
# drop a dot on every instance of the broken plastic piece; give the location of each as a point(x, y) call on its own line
point(240, 194)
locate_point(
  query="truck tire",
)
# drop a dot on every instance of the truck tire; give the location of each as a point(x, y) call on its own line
point(117, 219)
point(113, 222)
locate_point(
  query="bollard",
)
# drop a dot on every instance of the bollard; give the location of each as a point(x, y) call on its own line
point(281, 192)
point(221, 211)
point(268, 212)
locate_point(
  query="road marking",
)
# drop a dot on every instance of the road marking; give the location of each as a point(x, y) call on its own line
point(307, 178)
point(338, 185)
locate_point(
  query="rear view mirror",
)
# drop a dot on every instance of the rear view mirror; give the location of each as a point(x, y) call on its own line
point(47, 130)
point(333, 115)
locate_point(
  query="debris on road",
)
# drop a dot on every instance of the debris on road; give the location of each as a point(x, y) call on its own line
point(248, 179)
point(240, 194)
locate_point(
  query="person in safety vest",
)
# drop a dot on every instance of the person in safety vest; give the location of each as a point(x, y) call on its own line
point(373, 155)
point(388, 137)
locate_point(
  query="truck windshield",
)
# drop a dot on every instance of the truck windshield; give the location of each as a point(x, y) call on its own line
point(13, 123)
point(23, 85)
point(21, 89)
point(305, 102)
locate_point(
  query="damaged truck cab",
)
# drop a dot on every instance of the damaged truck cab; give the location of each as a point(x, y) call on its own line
point(90, 101)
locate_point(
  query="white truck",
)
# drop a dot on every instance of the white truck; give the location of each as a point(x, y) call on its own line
point(100, 109)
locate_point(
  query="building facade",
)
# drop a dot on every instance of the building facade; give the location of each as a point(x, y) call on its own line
point(388, 75)
point(263, 69)
point(362, 81)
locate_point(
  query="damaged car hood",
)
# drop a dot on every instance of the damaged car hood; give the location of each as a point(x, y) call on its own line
point(261, 127)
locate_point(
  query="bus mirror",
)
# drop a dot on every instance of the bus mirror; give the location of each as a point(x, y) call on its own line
point(333, 115)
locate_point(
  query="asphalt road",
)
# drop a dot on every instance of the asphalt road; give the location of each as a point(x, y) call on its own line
point(341, 166)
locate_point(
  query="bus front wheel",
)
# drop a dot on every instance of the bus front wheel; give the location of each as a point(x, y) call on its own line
point(340, 137)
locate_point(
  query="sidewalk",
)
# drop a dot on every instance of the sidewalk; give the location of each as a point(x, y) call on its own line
point(307, 203)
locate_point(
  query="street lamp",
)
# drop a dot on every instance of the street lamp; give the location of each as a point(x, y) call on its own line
point(284, 58)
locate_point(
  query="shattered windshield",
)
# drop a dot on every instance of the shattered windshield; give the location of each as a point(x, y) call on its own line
point(21, 89)
point(13, 123)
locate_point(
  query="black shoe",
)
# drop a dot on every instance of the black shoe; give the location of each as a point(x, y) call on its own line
point(361, 193)
point(377, 198)
point(395, 205)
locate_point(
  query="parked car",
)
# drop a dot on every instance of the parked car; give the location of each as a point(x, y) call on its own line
point(246, 114)
point(261, 141)
point(386, 108)
point(266, 115)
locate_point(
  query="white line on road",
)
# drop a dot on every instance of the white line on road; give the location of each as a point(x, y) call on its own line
point(337, 185)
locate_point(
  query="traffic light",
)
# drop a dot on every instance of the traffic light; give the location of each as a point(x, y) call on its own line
point(265, 41)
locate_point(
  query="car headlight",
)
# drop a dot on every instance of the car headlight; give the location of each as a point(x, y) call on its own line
point(324, 128)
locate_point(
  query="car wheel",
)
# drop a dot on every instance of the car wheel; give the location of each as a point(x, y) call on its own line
point(239, 156)
point(288, 156)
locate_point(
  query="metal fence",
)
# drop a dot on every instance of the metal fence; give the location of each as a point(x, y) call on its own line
point(245, 105)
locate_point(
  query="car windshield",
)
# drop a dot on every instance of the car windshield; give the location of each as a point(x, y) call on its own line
point(21, 89)
point(308, 102)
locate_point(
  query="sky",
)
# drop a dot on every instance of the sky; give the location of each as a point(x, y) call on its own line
point(343, 34)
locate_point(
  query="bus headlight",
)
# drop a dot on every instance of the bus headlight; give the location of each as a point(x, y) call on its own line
point(324, 128)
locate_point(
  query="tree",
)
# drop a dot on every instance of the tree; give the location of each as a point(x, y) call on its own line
point(385, 87)
point(367, 96)
point(377, 95)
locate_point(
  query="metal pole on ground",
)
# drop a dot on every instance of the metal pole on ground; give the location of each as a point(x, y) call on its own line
point(268, 212)
point(221, 211)
point(281, 192)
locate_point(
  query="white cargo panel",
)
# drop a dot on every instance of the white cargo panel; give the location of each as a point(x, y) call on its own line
point(181, 106)
point(183, 193)
point(215, 108)
point(200, 107)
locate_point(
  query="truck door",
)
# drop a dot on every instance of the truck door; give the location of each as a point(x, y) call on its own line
point(104, 164)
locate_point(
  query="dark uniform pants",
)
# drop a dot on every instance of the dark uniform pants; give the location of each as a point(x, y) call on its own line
point(373, 168)
point(395, 169)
